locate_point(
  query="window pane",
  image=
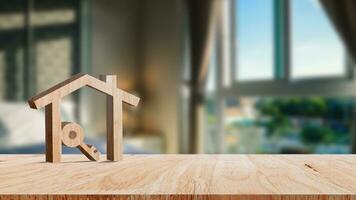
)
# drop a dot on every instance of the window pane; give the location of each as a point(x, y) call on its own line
point(316, 48)
point(55, 49)
point(12, 50)
point(288, 125)
point(211, 127)
point(254, 39)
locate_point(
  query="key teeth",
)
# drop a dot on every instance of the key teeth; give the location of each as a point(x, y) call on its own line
point(90, 152)
point(95, 153)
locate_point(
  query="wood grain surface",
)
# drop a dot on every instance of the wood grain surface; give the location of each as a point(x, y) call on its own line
point(180, 177)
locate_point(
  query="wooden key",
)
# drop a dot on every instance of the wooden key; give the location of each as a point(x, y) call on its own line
point(73, 136)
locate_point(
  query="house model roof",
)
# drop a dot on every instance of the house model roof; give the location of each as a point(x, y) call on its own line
point(74, 83)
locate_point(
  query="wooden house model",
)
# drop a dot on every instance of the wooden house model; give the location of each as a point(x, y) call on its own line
point(71, 134)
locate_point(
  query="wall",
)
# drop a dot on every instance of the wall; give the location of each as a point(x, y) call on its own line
point(114, 33)
point(163, 60)
point(142, 41)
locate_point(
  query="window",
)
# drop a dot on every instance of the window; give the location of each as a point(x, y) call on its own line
point(282, 100)
point(39, 46)
point(254, 28)
point(295, 37)
point(315, 45)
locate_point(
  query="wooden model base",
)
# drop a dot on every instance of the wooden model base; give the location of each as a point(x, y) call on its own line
point(180, 177)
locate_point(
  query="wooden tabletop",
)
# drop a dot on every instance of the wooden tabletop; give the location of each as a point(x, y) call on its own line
point(239, 176)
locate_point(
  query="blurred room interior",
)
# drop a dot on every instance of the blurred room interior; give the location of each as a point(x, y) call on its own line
point(214, 76)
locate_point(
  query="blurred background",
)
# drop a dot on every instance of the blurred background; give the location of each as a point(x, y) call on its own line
point(214, 76)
